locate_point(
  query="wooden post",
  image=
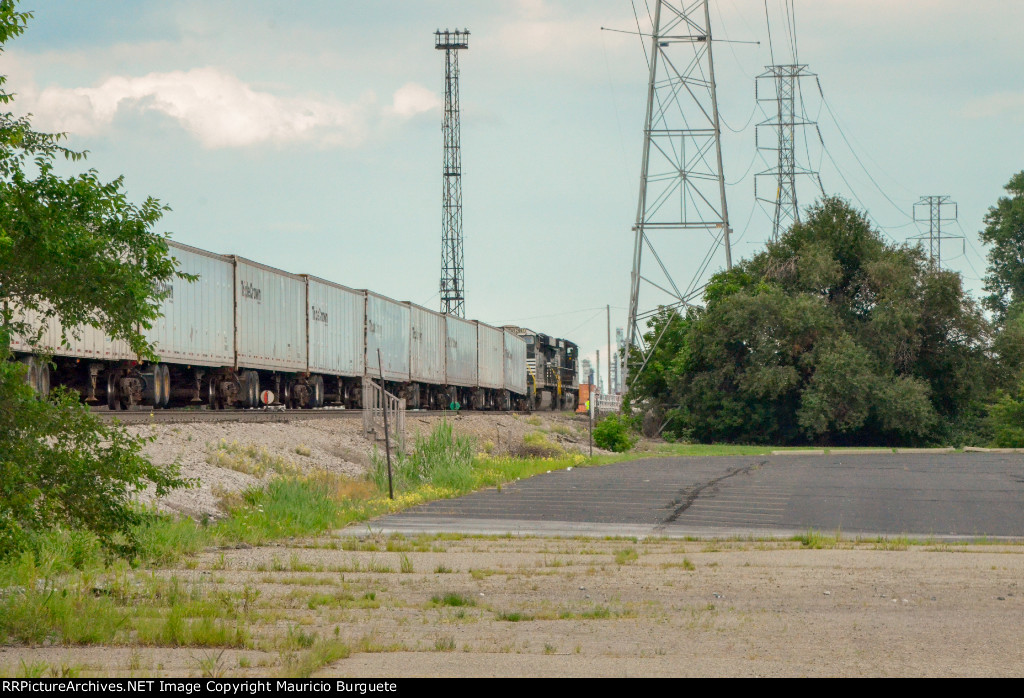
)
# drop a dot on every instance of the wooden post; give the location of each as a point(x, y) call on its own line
point(387, 441)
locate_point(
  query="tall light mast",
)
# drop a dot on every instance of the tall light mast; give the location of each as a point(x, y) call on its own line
point(453, 292)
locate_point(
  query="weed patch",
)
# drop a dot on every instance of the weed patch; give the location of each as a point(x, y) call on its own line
point(452, 599)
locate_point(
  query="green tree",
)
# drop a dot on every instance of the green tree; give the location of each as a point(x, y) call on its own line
point(654, 372)
point(72, 249)
point(1004, 233)
point(831, 335)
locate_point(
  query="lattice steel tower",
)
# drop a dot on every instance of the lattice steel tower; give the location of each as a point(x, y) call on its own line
point(783, 124)
point(453, 293)
point(934, 216)
point(682, 188)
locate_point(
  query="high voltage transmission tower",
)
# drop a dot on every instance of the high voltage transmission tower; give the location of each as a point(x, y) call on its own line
point(453, 293)
point(929, 209)
point(682, 188)
point(783, 123)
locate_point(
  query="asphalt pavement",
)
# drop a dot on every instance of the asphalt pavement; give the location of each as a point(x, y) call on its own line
point(958, 496)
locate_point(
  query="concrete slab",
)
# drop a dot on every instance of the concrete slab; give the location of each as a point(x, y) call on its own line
point(926, 495)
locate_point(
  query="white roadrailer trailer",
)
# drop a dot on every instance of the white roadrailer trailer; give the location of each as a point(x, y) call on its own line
point(427, 337)
point(490, 356)
point(515, 361)
point(387, 329)
point(198, 323)
point(460, 352)
point(336, 334)
point(270, 318)
point(246, 334)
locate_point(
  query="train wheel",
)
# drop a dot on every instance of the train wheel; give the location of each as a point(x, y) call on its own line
point(211, 394)
point(43, 374)
point(165, 382)
point(158, 387)
point(318, 391)
point(112, 402)
point(31, 372)
point(252, 389)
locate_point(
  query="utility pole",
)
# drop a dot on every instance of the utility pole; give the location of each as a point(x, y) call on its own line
point(620, 366)
point(682, 186)
point(611, 388)
point(930, 209)
point(783, 124)
point(453, 293)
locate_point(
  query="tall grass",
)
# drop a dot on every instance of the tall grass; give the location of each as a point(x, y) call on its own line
point(287, 507)
point(65, 590)
point(442, 458)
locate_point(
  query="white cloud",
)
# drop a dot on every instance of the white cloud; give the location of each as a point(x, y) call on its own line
point(412, 99)
point(219, 109)
point(996, 104)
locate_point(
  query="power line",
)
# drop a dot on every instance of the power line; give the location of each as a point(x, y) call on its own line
point(647, 60)
point(771, 49)
point(842, 133)
point(741, 130)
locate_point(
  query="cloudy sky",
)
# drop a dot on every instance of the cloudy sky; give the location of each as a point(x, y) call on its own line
point(307, 135)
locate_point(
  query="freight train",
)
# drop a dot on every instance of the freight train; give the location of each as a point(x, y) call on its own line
point(247, 335)
point(551, 370)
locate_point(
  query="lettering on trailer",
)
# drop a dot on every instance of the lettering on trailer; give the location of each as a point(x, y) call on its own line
point(251, 291)
point(166, 288)
point(319, 315)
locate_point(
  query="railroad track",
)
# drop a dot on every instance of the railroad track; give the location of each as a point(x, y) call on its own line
point(147, 416)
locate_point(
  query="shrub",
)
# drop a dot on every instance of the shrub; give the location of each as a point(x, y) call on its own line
point(61, 468)
point(535, 445)
point(612, 433)
point(1006, 418)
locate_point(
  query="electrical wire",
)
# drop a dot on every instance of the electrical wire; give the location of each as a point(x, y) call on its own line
point(791, 16)
point(566, 312)
point(745, 126)
point(842, 133)
point(853, 192)
point(647, 60)
point(585, 322)
point(618, 121)
point(746, 226)
point(744, 176)
point(973, 249)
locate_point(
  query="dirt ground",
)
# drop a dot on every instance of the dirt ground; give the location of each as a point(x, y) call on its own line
point(356, 603)
point(336, 444)
point(454, 606)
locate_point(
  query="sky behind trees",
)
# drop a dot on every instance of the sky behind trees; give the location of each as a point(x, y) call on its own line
point(310, 139)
